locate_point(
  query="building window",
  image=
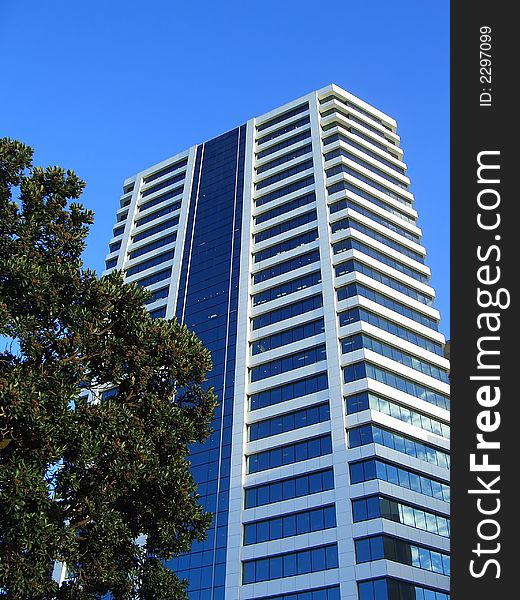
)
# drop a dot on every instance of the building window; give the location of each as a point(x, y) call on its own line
point(285, 190)
point(303, 166)
point(165, 170)
point(406, 553)
point(375, 468)
point(284, 144)
point(298, 523)
point(287, 245)
point(286, 312)
point(282, 209)
point(369, 400)
point(372, 434)
point(287, 363)
point(279, 228)
point(393, 589)
point(309, 560)
point(356, 314)
point(169, 239)
point(301, 151)
point(304, 417)
point(289, 454)
point(163, 184)
point(155, 215)
point(375, 507)
point(361, 370)
point(349, 222)
point(361, 340)
point(341, 186)
point(289, 488)
point(288, 336)
point(155, 229)
point(358, 289)
point(283, 130)
point(288, 391)
point(151, 262)
point(283, 117)
point(347, 203)
point(285, 289)
point(354, 266)
point(285, 267)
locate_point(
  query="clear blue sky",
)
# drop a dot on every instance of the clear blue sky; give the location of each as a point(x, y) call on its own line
point(109, 88)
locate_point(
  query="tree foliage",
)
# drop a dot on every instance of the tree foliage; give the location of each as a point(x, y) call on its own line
point(101, 483)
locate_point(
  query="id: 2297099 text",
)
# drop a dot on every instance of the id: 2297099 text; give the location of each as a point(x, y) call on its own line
point(485, 66)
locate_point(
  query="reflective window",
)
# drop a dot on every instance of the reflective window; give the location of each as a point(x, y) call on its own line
point(155, 229)
point(291, 563)
point(393, 589)
point(289, 421)
point(328, 593)
point(151, 262)
point(387, 508)
point(155, 215)
point(279, 228)
point(366, 369)
point(287, 363)
point(290, 287)
point(283, 130)
point(354, 244)
point(348, 203)
point(287, 266)
point(154, 278)
point(115, 246)
point(366, 400)
point(275, 528)
point(158, 294)
point(361, 340)
point(162, 198)
point(349, 186)
point(284, 144)
point(168, 239)
point(354, 266)
point(291, 487)
point(163, 184)
point(284, 116)
point(286, 312)
point(350, 222)
point(288, 336)
point(366, 165)
point(358, 289)
point(285, 190)
point(301, 151)
point(118, 230)
point(368, 434)
point(286, 245)
point(158, 313)
point(290, 453)
point(295, 389)
point(336, 137)
point(286, 207)
point(165, 170)
point(401, 551)
point(303, 166)
point(369, 181)
point(356, 314)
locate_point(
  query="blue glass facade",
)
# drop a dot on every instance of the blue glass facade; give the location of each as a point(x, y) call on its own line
point(207, 303)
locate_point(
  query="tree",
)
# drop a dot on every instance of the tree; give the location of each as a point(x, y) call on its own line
point(99, 481)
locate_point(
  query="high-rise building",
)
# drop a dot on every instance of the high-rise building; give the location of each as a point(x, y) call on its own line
point(290, 245)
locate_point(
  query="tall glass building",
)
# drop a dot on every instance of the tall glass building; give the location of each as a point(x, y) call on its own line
point(290, 245)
